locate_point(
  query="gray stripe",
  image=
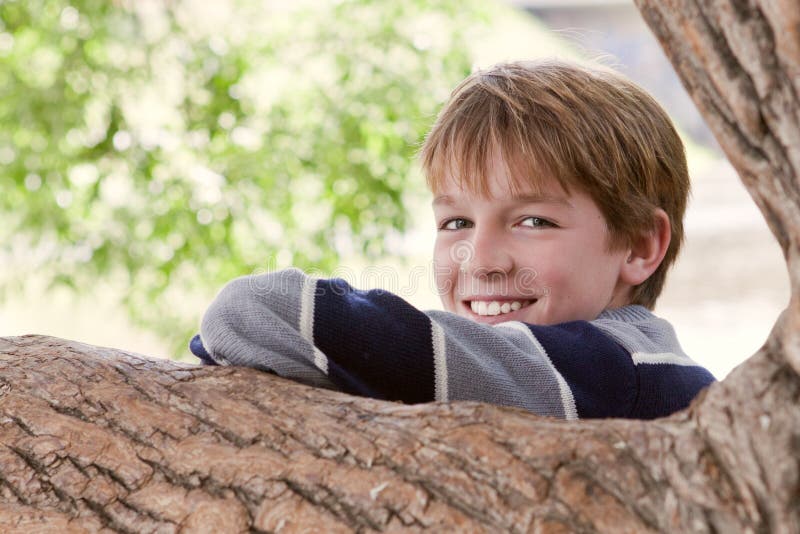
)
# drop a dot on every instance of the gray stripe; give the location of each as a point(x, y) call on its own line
point(242, 328)
point(639, 331)
point(497, 366)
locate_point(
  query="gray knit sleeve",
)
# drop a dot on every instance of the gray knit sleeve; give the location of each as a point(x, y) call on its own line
point(323, 332)
point(256, 321)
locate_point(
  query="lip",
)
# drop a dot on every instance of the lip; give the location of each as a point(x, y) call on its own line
point(498, 299)
point(495, 319)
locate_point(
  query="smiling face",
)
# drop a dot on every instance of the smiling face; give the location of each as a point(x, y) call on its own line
point(539, 256)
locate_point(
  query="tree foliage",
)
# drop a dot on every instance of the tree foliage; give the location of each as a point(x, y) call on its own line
point(184, 143)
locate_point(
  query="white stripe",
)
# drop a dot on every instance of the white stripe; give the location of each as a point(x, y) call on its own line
point(320, 360)
point(663, 357)
point(567, 400)
point(307, 309)
point(307, 321)
point(439, 361)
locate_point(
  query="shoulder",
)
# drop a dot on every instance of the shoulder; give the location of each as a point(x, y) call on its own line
point(640, 331)
point(667, 378)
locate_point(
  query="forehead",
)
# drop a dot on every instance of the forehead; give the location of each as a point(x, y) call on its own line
point(499, 181)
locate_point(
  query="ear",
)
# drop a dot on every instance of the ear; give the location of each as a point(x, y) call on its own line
point(647, 251)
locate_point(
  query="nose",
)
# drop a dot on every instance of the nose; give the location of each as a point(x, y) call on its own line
point(489, 256)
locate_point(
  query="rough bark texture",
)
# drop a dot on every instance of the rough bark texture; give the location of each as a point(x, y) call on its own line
point(93, 438)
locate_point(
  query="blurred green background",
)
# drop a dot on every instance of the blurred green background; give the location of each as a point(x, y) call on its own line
point(171, 146)
point(151, 150)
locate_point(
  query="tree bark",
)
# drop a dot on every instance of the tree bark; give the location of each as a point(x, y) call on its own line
point(94, 439)
point(97, 438)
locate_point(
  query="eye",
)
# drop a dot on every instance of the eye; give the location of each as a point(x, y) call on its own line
point(455, 224)
point(537, 222)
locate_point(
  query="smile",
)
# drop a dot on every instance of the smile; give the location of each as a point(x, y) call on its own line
point(493, 307)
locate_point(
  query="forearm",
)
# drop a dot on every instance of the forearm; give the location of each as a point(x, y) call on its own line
point(325, 333)
point(258, 321)
point(373, 343)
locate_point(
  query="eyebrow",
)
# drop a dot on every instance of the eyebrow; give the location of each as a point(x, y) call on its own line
point(521, 199)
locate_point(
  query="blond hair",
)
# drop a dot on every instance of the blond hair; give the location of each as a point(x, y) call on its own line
point(589, 128)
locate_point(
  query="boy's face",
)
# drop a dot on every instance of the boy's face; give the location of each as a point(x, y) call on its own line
point(540, 259)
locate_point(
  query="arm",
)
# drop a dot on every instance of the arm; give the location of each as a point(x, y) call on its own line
point(373, 343)
point(256, 321)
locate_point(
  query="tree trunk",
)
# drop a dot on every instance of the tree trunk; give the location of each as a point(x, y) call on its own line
point(95, 438)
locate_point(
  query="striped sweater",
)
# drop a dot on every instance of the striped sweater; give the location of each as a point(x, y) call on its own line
point(323, 332)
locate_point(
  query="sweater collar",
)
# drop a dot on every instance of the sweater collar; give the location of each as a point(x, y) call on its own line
point(632, 312)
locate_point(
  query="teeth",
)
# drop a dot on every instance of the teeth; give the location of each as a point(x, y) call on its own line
point(481, 307)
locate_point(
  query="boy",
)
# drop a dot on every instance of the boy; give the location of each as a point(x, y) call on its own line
point(559, 194)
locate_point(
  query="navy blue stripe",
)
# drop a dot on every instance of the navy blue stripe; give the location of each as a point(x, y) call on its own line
point(377, 344)
point(666, 388)
point(599, 372)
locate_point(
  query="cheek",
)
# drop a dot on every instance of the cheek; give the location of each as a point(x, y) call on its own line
point(440, 257)
point(554, 273)
point(444, 270)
